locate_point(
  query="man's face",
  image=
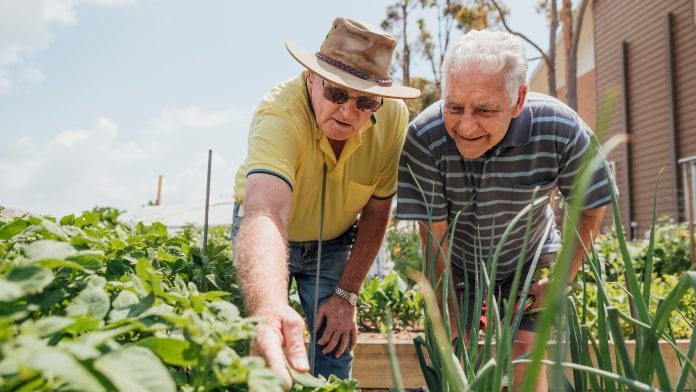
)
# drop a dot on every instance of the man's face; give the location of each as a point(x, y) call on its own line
point(337, 121)
point(477, 110)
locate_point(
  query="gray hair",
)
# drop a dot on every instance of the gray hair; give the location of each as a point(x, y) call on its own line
point(490, 52)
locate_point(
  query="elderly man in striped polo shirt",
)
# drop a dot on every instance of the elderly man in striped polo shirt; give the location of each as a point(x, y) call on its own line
point(480, 152)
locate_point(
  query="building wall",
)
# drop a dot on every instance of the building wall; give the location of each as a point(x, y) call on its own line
point(587, 98)
point(644, 112)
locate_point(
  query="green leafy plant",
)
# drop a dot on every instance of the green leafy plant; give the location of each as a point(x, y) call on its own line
point(404, 244)
point(670, 255)
point(88, 303)
point(391, 293)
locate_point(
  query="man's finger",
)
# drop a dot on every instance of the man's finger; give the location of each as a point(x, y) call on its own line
point(295, 351)
point(269, 343)
point(331, 346)
point(345, 339)
point(353, 338)
point(321, 317)
point(325, 337)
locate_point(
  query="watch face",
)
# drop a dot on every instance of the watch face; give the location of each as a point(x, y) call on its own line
point(351, 298)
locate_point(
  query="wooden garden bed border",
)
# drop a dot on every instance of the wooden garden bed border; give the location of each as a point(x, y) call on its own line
point(372, 368)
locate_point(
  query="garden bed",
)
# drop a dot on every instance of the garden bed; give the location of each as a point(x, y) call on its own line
point(372, 366)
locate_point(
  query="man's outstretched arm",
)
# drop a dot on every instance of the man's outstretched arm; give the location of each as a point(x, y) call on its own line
point(261, 257)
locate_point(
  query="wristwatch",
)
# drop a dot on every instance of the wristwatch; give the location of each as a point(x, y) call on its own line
point(352, 298)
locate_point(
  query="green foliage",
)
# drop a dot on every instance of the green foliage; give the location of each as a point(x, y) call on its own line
point(216, 270)
point(682, 318)
point(108, 216)
point(89, 303)
point(671, 253)
point(392, 293)
point(404, 249)
point(430, 93)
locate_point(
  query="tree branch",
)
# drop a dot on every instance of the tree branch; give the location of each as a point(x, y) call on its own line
point(524, 37)
point(578, 26)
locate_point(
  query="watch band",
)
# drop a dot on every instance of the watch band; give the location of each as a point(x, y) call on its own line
point(351, 298)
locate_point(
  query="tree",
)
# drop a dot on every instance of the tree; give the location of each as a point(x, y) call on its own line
point(571, 38)
point(398, 20)
point(447, 14)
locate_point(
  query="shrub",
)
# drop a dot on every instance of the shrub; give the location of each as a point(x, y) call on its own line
point(391, 293)
point(681, 319)
point(404, 248)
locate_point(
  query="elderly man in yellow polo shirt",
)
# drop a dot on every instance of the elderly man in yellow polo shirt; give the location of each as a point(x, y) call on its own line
point(313, 196)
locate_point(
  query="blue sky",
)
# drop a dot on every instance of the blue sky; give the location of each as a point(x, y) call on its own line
point(100, 97)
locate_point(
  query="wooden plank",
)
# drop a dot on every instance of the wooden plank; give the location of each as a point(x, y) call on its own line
point(372, 368)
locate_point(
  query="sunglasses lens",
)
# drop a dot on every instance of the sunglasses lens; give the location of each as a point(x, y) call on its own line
point(364, 103)
point(336, 95)
point(340, 96)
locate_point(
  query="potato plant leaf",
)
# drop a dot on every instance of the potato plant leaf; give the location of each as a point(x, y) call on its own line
point(89, 259)
point(24, 281)
point(91, 301)
point(172, 351)
point(53, 363)
point(135, 369)
point(48, 249)
point(13, 228)
point(48, 326)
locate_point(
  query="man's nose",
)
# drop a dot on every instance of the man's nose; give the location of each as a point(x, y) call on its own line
point(349, 109)
point(467, 125)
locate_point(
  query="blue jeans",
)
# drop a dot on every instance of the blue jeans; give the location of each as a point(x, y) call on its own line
point(303, 269)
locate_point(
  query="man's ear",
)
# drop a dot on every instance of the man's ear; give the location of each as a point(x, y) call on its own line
point(521, 96)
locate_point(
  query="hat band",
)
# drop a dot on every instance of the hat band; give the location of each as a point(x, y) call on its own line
point(352, 70)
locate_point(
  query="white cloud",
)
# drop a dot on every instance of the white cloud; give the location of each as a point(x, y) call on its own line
point(64, 10)
point(193, 117)
point(32, 75)
point(71, 170)
point(104, 132)
point(76, 169)
point(25, 28)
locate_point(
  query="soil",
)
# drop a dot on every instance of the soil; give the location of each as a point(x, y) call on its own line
point(397, 336)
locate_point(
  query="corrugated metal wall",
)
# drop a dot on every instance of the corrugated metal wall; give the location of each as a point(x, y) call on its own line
point(632, 56)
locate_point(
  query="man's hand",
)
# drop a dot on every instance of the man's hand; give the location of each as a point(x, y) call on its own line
point(538, 290)
point(281, 336)
point(341, 325)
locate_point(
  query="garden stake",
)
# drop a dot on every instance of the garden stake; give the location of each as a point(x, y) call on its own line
point(313, 337)
point(207, 204)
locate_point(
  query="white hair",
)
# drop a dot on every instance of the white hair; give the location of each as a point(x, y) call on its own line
point(490, 52)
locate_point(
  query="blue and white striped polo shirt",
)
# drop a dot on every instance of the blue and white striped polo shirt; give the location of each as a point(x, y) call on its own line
point(543, 147)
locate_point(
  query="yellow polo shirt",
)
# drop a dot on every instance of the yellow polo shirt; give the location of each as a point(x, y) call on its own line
point(284, 141)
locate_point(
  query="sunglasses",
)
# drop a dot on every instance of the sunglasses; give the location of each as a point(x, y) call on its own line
point(340, 96)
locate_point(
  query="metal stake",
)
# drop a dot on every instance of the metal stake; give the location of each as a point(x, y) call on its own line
point(207, 204)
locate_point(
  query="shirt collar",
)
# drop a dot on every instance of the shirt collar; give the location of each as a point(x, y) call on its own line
point(520, 130)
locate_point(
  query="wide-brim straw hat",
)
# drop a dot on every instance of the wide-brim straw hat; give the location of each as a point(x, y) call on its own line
point(357, 56)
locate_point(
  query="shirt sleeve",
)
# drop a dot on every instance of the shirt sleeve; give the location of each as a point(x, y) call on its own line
point(386, 186)
point(421, 190)
point(274, 143)
point(570, 167)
